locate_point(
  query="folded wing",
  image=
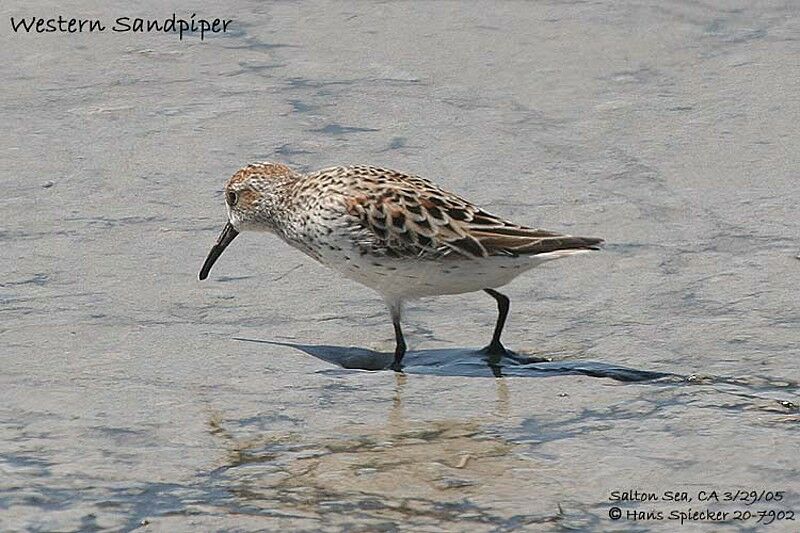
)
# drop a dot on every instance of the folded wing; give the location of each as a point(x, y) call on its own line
point(410, 217)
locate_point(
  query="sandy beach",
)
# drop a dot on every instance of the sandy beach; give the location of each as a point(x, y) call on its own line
point(134, 397)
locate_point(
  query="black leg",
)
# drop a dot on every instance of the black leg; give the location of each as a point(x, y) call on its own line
point(496, 347)
point(396, 310)
point(399, 349)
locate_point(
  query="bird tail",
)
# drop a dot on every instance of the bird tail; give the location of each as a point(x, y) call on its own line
point(529, 241)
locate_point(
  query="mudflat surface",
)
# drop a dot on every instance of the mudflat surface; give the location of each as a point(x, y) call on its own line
point(134, 396)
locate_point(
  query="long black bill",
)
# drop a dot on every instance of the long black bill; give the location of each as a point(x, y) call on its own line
point(225, 238)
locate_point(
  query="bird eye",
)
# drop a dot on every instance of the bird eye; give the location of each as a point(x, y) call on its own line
point(231, 197)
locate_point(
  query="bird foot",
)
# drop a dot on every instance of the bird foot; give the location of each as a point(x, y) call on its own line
point(496, 351)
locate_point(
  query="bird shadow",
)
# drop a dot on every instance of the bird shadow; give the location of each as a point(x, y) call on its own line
point(467, 362)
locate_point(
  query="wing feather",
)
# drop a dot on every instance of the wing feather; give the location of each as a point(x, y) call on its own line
point(408, 216)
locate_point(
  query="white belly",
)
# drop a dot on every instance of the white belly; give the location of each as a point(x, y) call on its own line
point(410, 278)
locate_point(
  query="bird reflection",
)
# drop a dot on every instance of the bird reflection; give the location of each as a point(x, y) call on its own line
point(396, 416)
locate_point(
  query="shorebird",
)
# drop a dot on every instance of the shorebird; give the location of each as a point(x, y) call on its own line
point(398, 234)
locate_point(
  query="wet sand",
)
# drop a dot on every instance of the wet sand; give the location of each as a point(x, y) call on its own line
point(134, 396)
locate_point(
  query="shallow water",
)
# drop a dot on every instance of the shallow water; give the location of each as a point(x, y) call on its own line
point(133, 396)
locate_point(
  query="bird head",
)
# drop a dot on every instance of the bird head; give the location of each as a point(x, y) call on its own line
point(252, 197)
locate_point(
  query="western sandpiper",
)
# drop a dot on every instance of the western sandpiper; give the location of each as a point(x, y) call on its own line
point(398, 234)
